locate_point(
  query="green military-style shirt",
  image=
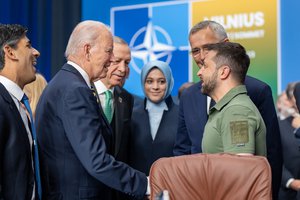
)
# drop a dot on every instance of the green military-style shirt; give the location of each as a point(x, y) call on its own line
point(235, 126)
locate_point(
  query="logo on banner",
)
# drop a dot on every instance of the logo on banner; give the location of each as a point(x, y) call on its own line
point(151, 48)
point(153, 34)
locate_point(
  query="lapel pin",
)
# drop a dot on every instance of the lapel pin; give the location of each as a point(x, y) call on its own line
point(120, 100)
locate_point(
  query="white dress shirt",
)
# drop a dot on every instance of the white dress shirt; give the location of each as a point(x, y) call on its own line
point(101, 89)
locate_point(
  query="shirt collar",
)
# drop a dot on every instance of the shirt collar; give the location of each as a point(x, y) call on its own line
point(12, 87)
point(156, 107)
point(101, 88)
point(241, 89)
point(82, 72)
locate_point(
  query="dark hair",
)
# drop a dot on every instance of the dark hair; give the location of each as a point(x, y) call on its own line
point(183, 87)
point(10, 34)
point(290, 90)
point(233, 55)
point(297, 94)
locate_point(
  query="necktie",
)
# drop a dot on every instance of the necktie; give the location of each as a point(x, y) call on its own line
point(93, 88)
point(107, 106)
point(36, 155)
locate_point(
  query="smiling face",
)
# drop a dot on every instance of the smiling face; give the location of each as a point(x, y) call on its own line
point(197, 40)
point(155, 85)
point(100, 55)
point(118, 68)
point(26, 56)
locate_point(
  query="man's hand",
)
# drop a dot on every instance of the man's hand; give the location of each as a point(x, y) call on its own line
point(295, 185)
point(296, 122)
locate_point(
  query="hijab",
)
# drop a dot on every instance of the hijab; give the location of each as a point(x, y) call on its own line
point(165, 69)
point(156, 110)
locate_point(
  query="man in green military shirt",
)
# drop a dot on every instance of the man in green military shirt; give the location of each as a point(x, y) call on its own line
point(235, 124)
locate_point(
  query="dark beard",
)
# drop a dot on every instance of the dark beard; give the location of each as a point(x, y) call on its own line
point(209, 87)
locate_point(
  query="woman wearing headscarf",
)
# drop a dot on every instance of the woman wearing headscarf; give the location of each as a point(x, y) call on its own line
point(154, 122)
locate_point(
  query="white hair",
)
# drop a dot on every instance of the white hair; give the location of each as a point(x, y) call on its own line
point(85, 32)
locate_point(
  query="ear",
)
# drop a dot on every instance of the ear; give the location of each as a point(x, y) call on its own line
point(225, 72)
point(9, 52)
point(226, 40)
point(86, 49)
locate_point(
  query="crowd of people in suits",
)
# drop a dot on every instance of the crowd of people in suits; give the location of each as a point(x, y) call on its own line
point(95, 140)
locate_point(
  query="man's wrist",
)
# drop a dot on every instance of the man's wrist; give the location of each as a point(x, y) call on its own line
point(148, 186)
point(288, 183)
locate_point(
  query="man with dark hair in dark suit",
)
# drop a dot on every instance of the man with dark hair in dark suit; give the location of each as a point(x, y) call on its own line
point(17, 61)
point(194, 105)
point(74, 136)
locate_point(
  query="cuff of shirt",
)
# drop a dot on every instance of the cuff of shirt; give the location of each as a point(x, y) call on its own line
point(148, 186)
point(288, 183)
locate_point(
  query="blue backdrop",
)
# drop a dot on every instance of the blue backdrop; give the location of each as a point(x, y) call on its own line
point(290, 29)
point(51, 21)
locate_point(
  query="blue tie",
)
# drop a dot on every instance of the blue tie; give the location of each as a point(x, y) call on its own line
point(36, 154)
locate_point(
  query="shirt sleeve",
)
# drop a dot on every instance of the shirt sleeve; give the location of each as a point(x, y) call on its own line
point(238, 129)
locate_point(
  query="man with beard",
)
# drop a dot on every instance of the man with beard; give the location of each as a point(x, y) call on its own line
point(194, 105)
point(234, 124)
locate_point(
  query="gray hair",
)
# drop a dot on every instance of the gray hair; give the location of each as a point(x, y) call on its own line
point(84, 32)
point(215, 27)
point(119, 40)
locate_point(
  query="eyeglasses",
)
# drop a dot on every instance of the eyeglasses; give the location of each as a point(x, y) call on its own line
point(198, 50)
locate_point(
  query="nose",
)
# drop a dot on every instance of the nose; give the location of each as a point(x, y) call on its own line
point(111, 58)
point(122, 67)
point(36, 53)
point(200, 71)
point(155, 85)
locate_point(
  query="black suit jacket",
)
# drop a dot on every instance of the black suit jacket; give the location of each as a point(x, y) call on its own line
point(123, 105)
point(16, 173)
point(193, 117)
point(73, 134)
point(291, 158)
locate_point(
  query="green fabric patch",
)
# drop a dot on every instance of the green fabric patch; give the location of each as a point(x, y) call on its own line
point(239, 132)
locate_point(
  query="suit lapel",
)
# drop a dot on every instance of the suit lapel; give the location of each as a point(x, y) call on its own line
point(103, 117)
point(16, 115)
point(71, 69)
point(119, 116)
point(201, 101)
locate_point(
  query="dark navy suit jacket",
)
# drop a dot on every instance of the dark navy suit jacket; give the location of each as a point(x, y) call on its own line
point(193, 117)
point(291, 158)
point(73, 134)
point(145, 150)
point(16, 173)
